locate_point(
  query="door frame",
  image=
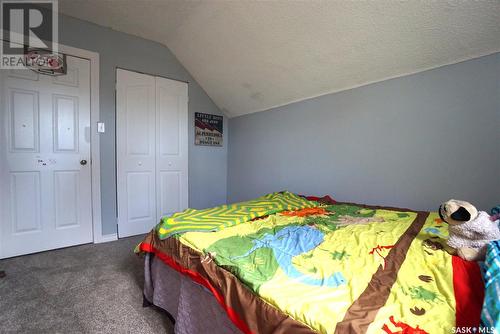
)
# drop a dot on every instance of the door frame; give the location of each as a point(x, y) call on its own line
point(95, 163)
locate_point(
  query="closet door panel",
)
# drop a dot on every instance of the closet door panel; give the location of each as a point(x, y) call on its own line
point(172, 149)
point(136, 152)
point(152, 150)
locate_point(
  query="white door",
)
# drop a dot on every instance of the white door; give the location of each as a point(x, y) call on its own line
point(45, 169)
point(172, 147)
point(136, 151)
point(152, 150)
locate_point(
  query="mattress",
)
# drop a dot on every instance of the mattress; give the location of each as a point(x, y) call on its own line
point(338, 268)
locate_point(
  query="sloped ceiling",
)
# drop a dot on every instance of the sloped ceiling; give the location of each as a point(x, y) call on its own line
point(251, 56)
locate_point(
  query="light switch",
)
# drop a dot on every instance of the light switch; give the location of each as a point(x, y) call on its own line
point(100, 127)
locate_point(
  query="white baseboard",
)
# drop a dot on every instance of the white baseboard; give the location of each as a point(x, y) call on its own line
point(106, 238)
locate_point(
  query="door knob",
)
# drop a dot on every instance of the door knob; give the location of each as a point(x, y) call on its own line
point(83, 162)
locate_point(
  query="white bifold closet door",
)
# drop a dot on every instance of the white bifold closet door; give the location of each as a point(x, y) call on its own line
point(152, 150)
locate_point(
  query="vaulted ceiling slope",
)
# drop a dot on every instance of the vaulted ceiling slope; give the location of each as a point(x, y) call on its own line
point(251, 56)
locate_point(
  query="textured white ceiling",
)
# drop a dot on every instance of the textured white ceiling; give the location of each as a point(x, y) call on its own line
point(251, 56)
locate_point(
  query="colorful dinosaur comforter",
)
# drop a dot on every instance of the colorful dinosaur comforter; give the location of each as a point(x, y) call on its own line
point(223, 216)
point(332, 268)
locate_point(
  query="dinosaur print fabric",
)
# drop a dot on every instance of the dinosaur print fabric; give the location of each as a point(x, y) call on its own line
point(336, 268)
point(223, 216)
point(314, 266)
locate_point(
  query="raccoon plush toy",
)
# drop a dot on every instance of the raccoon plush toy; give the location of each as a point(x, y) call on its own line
point(470, 230)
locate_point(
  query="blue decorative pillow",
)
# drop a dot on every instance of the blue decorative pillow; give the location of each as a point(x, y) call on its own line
point(490, 316)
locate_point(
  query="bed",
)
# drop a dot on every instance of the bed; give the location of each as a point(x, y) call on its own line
point(283, 263)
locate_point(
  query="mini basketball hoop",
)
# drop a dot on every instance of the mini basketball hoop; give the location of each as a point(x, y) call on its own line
point(47, 63)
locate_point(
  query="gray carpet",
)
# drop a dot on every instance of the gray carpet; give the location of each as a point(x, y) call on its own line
point(83, 289)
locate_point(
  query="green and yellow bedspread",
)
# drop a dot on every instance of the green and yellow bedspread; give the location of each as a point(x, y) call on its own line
point(341, 268)
point(224, 216)
point(315, 267)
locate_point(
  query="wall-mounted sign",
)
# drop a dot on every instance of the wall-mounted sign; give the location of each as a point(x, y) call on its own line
point(207, 129)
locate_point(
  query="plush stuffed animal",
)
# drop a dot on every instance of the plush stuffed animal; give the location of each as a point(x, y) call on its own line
point(470, 230)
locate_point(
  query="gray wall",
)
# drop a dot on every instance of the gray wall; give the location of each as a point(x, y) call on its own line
point(413, 142)
point(207, 166)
